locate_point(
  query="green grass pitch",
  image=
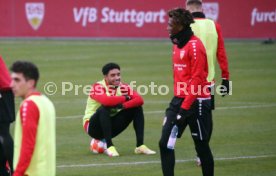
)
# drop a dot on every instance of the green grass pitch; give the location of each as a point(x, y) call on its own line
point(243, 141)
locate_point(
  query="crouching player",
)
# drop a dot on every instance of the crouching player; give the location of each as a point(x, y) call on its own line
point(111, 107)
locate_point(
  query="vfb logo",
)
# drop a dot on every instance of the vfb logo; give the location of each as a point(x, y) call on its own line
point(35, 14)
point(211, 10)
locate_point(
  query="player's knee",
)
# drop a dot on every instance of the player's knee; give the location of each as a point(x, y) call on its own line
point(201, 144)
point(202, 148)
point(103, 109)
point(1, 140)
point(138, 109)
point(4, 129)
point(163, 145)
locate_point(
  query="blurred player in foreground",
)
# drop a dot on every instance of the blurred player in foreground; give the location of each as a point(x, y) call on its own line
point(7, 116)
point(35, 137)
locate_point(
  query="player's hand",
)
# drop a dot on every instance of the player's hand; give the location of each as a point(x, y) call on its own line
point(225, 88)
point(127, 97)
point(181, 120)
point(182, 116)
point(119, 106)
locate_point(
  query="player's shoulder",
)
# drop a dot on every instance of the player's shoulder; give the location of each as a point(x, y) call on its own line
point(96, 88)
point(195, 44)
point(28, 104)
point(34, 98)
point(97, 85)
point(195, 41)
point(124, 85)
point(204, 20)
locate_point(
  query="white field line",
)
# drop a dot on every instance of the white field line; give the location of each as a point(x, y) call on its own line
point(247, 107)
point(157, 162)
point(163, 111)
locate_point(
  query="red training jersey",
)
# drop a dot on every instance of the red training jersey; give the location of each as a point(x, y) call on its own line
point(190, 72)
point(5, 79)
point(98, 93)
point(221, 54)
point(29, 117)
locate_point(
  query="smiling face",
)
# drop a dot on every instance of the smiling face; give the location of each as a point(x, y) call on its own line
point(113, 77)
point(21, 86)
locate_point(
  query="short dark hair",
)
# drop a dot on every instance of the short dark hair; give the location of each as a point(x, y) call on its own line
point(196, 2)
point(110, 66)
point(28, 69)
point(181, 16)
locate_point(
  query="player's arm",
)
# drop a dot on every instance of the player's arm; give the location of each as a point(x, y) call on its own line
point(198, 66)
point(223, 63)
point(5, 78)
point(29, 117)
point(198, 63)
point(135, 99)
point(98, 93)
point(221, 55)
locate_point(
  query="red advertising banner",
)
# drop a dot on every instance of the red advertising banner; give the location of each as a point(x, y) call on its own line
point(122, 18)
point(244, 19)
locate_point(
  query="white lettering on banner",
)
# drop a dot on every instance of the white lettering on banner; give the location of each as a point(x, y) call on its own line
point(262, 16)
point(132, 16)
point(87, 14)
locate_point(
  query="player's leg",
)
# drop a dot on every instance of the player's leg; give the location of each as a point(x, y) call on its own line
point(200, 125)
point(209, 128)
point(100, 125)
point(118, 123)
point(138, 124)
point(212, 90)
point(167, 154)
point(210, 123)
point(122, 120)
point(6, 146)
point(206, 157)
point(2, 160)
point(7, 116)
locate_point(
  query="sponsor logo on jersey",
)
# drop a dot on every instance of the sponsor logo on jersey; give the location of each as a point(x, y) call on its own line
point(182, 54)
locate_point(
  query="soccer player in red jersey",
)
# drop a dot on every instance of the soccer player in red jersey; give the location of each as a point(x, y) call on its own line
point(191, 103)
point(7, 116)
point(34, 136)
point(210, 34)
point(111, 107)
